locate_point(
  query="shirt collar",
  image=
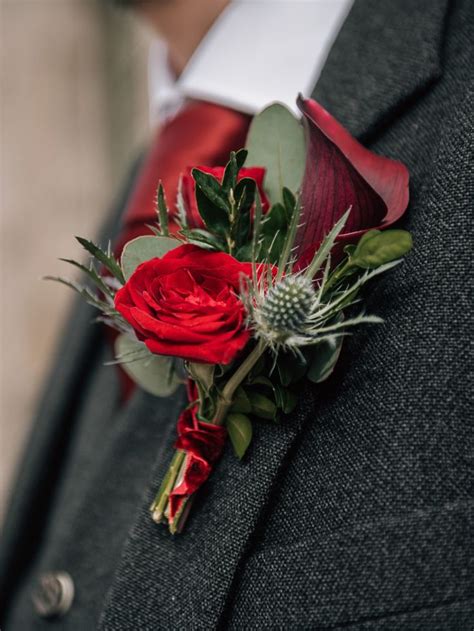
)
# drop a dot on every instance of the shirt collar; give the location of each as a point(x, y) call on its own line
point(257, 52)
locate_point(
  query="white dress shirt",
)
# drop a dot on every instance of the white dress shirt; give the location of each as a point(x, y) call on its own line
point(257, 52)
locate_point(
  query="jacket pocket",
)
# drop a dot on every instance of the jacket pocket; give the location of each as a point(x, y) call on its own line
point(414, 561)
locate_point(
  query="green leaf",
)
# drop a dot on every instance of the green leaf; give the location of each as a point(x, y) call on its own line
point(107, 259)
point(350, 249)
point(284, 399)
point(276, 141)
point(241, 157)
point(245, 194)
point(290, 235)
point(324, 360)
point(162, 210)
point(211, 188)
point(262, 406)
point(289, 202)
point(366, 237)
point(230, 174)
point(244, 253)
point(245, 198)
point(324, 251)
point(291, 368)
point(203, 236)
point(272, 247)
point(289, 401)
point(92, 274)
point(376, 248)
point(214, 217)
point(144, 249)
point(241, 402)
point(240, 433)
point(232, 169)
point(153, 373)
point(274, 220)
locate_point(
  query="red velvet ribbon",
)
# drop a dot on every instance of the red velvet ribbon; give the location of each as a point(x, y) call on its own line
point(203, 444)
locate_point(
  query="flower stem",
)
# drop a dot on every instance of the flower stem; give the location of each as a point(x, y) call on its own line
point(225, 400)
point(160, 502)
point(178, 464)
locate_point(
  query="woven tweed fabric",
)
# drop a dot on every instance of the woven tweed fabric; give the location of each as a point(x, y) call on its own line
point(357, 512)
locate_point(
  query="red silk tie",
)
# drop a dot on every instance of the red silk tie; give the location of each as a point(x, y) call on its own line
point(201, 134)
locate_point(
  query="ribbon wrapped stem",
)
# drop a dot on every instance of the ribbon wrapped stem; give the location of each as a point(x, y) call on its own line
point(198, 447)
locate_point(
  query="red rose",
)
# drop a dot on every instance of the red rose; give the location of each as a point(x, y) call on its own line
point(186, 304)
point(341, 174)
point(189, 189)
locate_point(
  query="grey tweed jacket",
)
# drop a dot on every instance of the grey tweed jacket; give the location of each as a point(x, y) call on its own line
point(355, 513)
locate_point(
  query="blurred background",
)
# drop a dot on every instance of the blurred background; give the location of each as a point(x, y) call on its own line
point(73, 115)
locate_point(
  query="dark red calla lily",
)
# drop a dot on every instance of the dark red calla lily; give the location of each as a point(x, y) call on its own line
point(341, 174)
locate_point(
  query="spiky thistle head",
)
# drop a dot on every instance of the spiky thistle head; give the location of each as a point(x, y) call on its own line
point(291, 312)
point(287, 305)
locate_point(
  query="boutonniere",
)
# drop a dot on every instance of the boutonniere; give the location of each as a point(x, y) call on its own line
point(255, 292)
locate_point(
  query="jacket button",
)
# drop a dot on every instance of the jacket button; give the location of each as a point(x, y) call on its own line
point(53, 594)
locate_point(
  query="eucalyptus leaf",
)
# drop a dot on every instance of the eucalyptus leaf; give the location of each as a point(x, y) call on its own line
point(276, 140)
point(376, 248)
point(324, 360)
point(240, 433)
point(144, 249)
point(153, 373)
point(203, 373)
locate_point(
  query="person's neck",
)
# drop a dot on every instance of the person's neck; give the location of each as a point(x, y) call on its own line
point(182, 24)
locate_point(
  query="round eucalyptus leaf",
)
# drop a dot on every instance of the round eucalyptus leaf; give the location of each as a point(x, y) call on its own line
point(144, 249)
point(276, 140)
point(153, 373)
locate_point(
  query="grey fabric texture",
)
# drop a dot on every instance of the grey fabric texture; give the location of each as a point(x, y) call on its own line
point(357, 511)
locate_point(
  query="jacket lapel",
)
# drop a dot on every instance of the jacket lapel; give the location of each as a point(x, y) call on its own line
point(385, 56)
